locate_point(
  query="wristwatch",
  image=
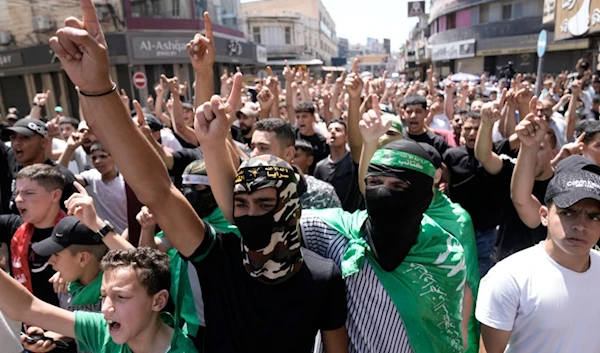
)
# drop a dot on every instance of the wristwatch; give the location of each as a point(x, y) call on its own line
point(106, 229)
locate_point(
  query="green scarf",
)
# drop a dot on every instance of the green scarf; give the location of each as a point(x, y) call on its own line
point(426, 288)
point(86, 295)
point(456, 221)
point(181, 290)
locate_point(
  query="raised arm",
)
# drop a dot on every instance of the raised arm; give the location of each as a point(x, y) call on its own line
point(289, 75)
point(212, 125)
point(202, 54)
point(354, 85)
point(571, 117)
point(74, 141)
point(372, 127)
point(483, 145)
point(140, 164)
point(273, 85)
point(449, 89)
point(179, 126)
point(81, 205)
point(531, 131)
point(18, 304)
point(39, 101)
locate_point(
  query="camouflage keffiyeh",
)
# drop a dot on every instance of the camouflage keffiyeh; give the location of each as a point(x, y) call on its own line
point(270, 242)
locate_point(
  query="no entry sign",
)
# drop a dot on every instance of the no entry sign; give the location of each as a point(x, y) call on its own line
point(139, 80)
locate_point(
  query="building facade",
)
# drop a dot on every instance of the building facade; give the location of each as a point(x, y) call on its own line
point(143, 36)
point(478, 36)
point(297, 30)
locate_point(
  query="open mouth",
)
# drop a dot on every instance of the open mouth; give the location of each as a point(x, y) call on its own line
point(113, 326)
point(22, 211)
point(576, 241)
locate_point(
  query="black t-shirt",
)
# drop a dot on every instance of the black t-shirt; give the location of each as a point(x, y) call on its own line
point(429, 138)
point(245, 315)
point(40, 270)
point(473, 188)
point(181, 159)
point(68, 190)
point(183, 142)
point(236, 133)
point(343, 175)
point(514, 234)
point(8, 166)
point(319, 145)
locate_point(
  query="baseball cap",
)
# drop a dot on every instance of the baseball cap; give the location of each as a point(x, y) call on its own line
point(11, 116)
point(247, 112)
point(68, 231)
point(83, 126)
point(154, 124)
point(27, 127)
point(58, 109)
point(569, 187)
point(188, 106)
point(68, 120)
point(576, 163)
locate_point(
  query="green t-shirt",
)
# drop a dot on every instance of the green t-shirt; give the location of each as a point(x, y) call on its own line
point(93, 335)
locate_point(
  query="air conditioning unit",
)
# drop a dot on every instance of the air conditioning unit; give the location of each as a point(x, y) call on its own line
point(42, 23)
point(5, 38)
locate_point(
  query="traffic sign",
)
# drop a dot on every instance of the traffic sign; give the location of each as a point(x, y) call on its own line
point(542, 43)
point(139, 80)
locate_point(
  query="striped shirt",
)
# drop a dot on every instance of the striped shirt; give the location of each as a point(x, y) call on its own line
point(374, 324)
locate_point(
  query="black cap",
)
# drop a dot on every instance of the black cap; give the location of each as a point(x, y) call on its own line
point(68, 231)
point(577, 163)
point(154, 124)
point(569, 187)
point(27, 127)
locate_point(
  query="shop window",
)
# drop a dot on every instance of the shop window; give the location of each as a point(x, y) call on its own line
point(288, 35)
point(451, 21)
point(517, 10)
point(161, 8)
point(506, 12)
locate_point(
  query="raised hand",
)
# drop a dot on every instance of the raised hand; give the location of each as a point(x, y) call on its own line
point(265, 99)
point(272, 81)
point(82, 51)
point(125, 99)
point(214, 119)
point(201, 49)
point(372, 126)
point(58, 283)
point(75, 140)
point(145, 218)
point(183, 88)
point(523, 96)
point(41, 99)
point(532, 130)
point(490, 113)
point(141, 118)
point(171, 83)
point(354, 84)
point(81, 205)
point(288, 73)
point(449, 89)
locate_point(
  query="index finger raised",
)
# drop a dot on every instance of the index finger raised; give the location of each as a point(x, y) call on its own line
point(235, 95)
point(90, 19)
point(208, 26)
point(270, 71)
point(533, 105)
point(139, 112)
point(355, 66)
point(80, 188)
point(375, 104)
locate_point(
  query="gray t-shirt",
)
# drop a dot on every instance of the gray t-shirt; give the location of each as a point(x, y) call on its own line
point(110, 198)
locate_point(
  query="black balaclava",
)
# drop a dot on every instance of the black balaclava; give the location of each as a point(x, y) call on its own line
point(270, 242)
point(394, 221)
point(203, 201)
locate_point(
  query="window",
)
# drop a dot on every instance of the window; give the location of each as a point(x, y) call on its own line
point(484, 13)
point(506, 12)
point(161, 9)
point(517, 10)
point(451, 21)
point(256, 34)
point(288, 35)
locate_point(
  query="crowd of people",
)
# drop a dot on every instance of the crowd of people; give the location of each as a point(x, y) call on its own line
point(304, 214)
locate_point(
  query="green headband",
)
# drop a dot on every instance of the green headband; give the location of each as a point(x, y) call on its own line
point(404, 160)
point(397, 126)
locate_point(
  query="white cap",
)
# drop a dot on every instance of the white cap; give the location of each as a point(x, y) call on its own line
point(83, 126)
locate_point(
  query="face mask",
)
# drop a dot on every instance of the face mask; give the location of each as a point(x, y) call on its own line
point(270, 242)
point(395, 218)
point(203, 201)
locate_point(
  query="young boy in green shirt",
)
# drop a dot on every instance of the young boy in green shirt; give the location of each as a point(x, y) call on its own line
point(134, 289)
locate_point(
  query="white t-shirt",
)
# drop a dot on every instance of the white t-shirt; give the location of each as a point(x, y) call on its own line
point(440, 122)
point(80, 161)
point(110, 199)
point(547, 307)
point(167, 139)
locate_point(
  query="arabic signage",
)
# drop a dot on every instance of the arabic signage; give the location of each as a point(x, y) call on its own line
point(576, 18)
point(549, 9)
point(454, 50)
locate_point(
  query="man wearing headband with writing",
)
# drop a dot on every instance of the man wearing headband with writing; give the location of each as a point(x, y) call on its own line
point(404, 274)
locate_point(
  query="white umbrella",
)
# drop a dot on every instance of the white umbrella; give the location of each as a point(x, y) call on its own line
point(461, 76)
